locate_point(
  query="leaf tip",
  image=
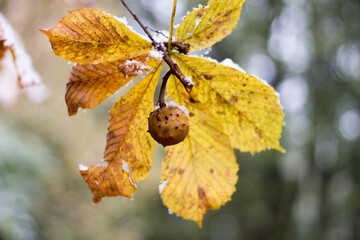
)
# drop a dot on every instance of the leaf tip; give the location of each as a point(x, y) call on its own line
point(72, 111)
point(45, 31)
point(83, 167)
point(96, 199)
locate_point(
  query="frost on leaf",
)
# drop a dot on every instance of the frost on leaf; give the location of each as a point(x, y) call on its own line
point(248, 109)
point(90, 84)
point(201, 171)
point(156, 54)
point(133, 68)
point(205, 26)
point(89, 36)
point(129, 147)
point(227, 108)
point(110, 180)
point(16, 69)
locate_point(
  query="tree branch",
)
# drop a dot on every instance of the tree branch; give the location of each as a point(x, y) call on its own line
point(160, 47)
point(181, 47)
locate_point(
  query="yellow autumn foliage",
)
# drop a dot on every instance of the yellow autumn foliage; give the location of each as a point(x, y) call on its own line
point(129, 147)
point(201, 171)
point(248, 109)
point(205, 26)
point(127, 138)
point(90, 84)
point(227, 107)
point(91, 36)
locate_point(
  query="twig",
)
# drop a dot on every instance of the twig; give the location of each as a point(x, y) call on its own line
point(140, 23)
point(160, 47)
point(155, 31)
point(182, 47)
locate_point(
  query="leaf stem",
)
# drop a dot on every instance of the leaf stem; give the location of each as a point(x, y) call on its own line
point(160, 47)
point(172, 24)
point(161, 100)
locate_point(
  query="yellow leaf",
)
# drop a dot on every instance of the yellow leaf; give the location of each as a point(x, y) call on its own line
point(91, 36)
point(129, 148)
point(127, 138)
point(247, 108)
point(205, 26)
point(90, 84)
point(200, 173)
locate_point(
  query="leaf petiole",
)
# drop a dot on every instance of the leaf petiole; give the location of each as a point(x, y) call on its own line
point(172, 24)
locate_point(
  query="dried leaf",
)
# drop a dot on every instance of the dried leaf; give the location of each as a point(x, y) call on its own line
point(16, 71)
point(248, 109)
point(129, 147)
point(89, 36)
point(205, 26)
point(108, 180)
point(3, 47)
point(127, 137)
point(201, 172)
point(90, 84)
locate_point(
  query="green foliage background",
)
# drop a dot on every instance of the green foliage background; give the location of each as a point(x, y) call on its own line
point(309, 50)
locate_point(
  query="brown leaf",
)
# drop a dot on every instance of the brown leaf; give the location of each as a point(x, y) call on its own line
point(3, 47)
point(110, 180)
point(128, 139)
point(129, 148)
point(16, 71)
point(90, 84)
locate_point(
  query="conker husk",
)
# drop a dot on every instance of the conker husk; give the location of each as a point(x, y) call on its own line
point(168, 125)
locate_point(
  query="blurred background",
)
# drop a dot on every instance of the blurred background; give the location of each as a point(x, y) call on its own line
point(309, 50)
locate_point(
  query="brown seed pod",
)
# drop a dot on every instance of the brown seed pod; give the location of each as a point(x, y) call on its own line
point(168, 125)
